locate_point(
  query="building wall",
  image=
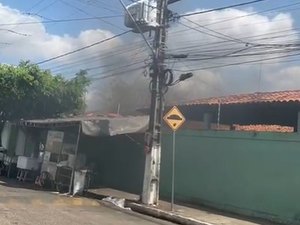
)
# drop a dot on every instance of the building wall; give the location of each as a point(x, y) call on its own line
point(255, 174)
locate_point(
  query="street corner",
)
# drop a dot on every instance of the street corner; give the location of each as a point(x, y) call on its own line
point(165, 215)
point(52, 201)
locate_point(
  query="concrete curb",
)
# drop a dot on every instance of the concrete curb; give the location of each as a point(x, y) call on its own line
point(164, 215)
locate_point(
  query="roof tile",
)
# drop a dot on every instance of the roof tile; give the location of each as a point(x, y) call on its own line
point(258, 97)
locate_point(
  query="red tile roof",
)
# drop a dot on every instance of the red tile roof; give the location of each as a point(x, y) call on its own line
point(258, 97)
point(264, 128)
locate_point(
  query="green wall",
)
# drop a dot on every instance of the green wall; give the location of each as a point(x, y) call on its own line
point(256, 174)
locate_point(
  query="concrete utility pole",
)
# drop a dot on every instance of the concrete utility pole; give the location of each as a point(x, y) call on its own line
point(150, 195)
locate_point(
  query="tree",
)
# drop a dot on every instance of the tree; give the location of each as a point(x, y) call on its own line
point(27, 92)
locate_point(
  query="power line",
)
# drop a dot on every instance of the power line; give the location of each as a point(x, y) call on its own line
point(103, 5)
point(95, 56)
point(60, 20)
point(209, 34)
point(84, 12)
point(253, 38)
point(234, 18)
point(234, 55)
point(118, 68)
point(119, 73)
point(123, 72)
point(134, 60)
point(252, 14)
point(15, 32)
point(221, 8)
point(216, 32)
point(35, 5)
point(238, 63)
point(89, 61)
point(47, 6)
point(83, 48)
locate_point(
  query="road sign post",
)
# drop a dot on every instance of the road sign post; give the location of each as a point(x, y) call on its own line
point(174, 119)
point(173, 170)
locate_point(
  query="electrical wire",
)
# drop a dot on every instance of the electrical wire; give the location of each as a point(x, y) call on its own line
point(248, 39)
point(239, 17)
point(97, 55)
point(60, 20)
point(254, 13)
point(216, 32)
point(238, 63)
point(83, 48)
point(15, 32)
point(209, 34)
point(82, 63)
point(124, 72)
point(86, 13)
point(220, 8)
point(47, 6)
point(35, 5)
point(103, 5)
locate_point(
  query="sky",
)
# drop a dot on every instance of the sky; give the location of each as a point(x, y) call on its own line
point(238, 50)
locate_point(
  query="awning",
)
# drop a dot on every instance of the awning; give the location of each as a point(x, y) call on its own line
point(95, 126)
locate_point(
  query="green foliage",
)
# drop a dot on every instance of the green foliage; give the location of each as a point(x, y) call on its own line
point(27, 92)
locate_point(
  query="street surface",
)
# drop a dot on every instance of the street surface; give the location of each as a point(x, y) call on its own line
point(24, 206)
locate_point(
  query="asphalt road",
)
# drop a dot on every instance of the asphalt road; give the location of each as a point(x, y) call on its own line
point(24, 206)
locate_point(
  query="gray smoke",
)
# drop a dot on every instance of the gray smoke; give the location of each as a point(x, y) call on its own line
point(131, 90)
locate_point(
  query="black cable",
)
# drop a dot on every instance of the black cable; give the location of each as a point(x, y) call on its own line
point(15, 32)
point(84, 12)
point(255, 13)
point(124, 72)
point(216, 32)
point(103, 5)
point(214, 45)
point(91, 58)
point(233, 55)
point(83, 48)
point(79, 63)
point(221, 8)
point(238, 17)
point(35, 5)
point(60, 20)
point(238, 63)
point(114, 69)
point(47, 6)
point(209, 34)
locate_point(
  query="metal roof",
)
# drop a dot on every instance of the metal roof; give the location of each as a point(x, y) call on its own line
point(95, 125)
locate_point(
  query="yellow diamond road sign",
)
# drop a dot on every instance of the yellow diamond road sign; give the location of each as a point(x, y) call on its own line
point(174, 118)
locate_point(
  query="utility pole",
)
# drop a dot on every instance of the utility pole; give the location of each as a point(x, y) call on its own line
point(150, 195)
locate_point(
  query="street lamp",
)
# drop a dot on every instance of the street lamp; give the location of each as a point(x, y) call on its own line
point(185, 76)
point(182, 77)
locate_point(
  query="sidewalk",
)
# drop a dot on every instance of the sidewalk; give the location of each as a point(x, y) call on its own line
point(181, 214)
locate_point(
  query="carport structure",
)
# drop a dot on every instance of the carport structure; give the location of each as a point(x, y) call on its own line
point(99, 143)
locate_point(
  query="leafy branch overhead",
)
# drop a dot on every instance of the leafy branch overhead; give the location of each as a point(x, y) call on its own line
point(27, 91)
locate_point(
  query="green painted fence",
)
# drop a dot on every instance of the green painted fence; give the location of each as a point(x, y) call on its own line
point(255, 174)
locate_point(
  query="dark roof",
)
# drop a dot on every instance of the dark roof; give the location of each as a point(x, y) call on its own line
point(95, 125)
point(258, 97)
